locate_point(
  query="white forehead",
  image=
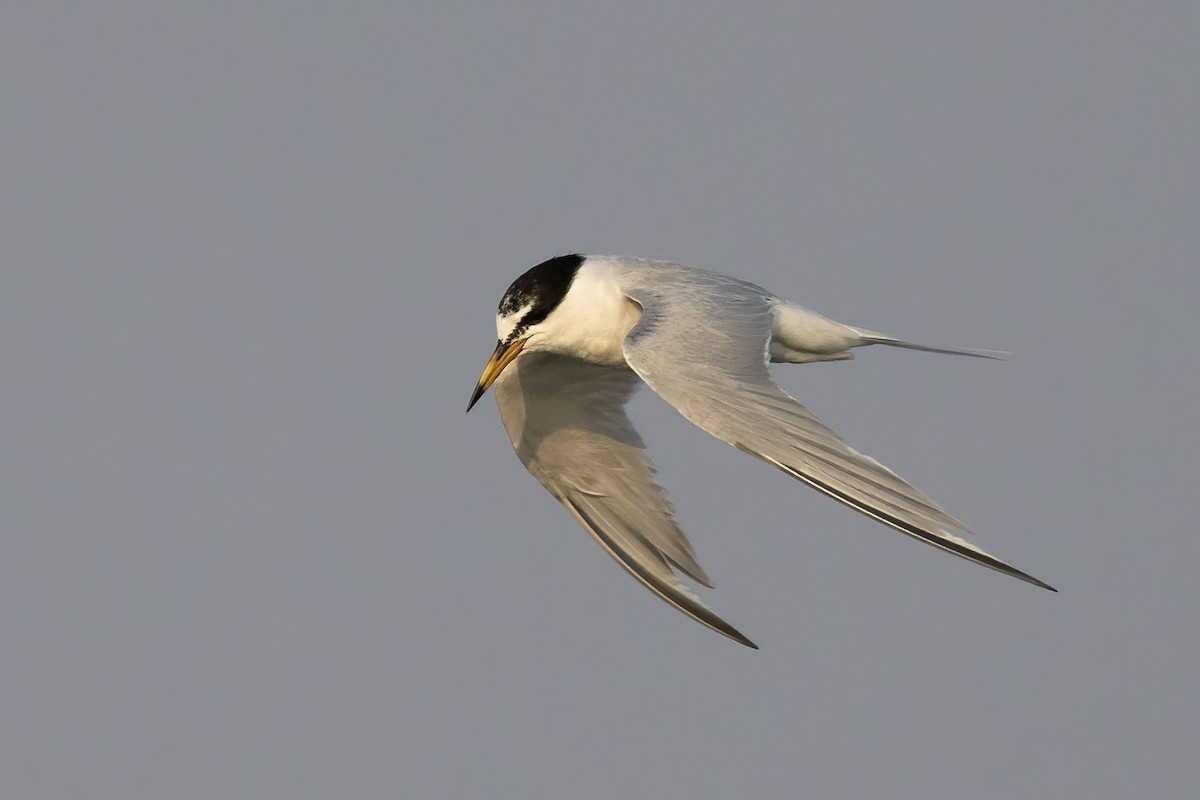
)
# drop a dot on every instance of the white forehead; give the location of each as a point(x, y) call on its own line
point(507, 323)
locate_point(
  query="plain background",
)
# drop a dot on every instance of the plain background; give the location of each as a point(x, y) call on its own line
point(251, 254)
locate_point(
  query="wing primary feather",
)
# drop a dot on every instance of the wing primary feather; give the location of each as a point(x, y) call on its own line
point(940, 541)
point(674, 594)
point(860, 471)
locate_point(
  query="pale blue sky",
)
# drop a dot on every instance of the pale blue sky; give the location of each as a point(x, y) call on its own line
point(251, 257)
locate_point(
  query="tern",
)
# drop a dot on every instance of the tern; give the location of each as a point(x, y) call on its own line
point(576, 335)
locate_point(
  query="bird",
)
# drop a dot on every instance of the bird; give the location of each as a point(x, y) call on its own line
point(577, 334)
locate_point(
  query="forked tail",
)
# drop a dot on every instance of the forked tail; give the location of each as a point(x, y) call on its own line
point(872, 337)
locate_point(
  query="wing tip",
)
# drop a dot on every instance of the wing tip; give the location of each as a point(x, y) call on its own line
point(726, 630)
point(710, 620)
point(743, 640)
point(1016, 573)
point(667, 587)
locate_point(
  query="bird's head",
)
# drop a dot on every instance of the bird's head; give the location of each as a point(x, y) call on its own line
point(522, 318)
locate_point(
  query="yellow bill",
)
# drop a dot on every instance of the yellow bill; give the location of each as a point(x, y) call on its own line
point(501, 358)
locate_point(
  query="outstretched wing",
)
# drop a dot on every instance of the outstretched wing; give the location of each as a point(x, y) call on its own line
point(702, 345)
point(566, 419)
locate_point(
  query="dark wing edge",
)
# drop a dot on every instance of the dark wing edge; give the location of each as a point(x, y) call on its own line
point(674, 593)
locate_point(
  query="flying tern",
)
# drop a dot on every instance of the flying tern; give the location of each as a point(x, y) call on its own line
point(575, 336)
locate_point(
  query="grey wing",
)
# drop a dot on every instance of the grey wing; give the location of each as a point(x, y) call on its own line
point(567, 422)
point(701, 344)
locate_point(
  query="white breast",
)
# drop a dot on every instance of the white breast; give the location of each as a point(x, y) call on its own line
point(593, 318)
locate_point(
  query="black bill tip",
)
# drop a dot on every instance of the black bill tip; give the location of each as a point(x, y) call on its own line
point(475, 395)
